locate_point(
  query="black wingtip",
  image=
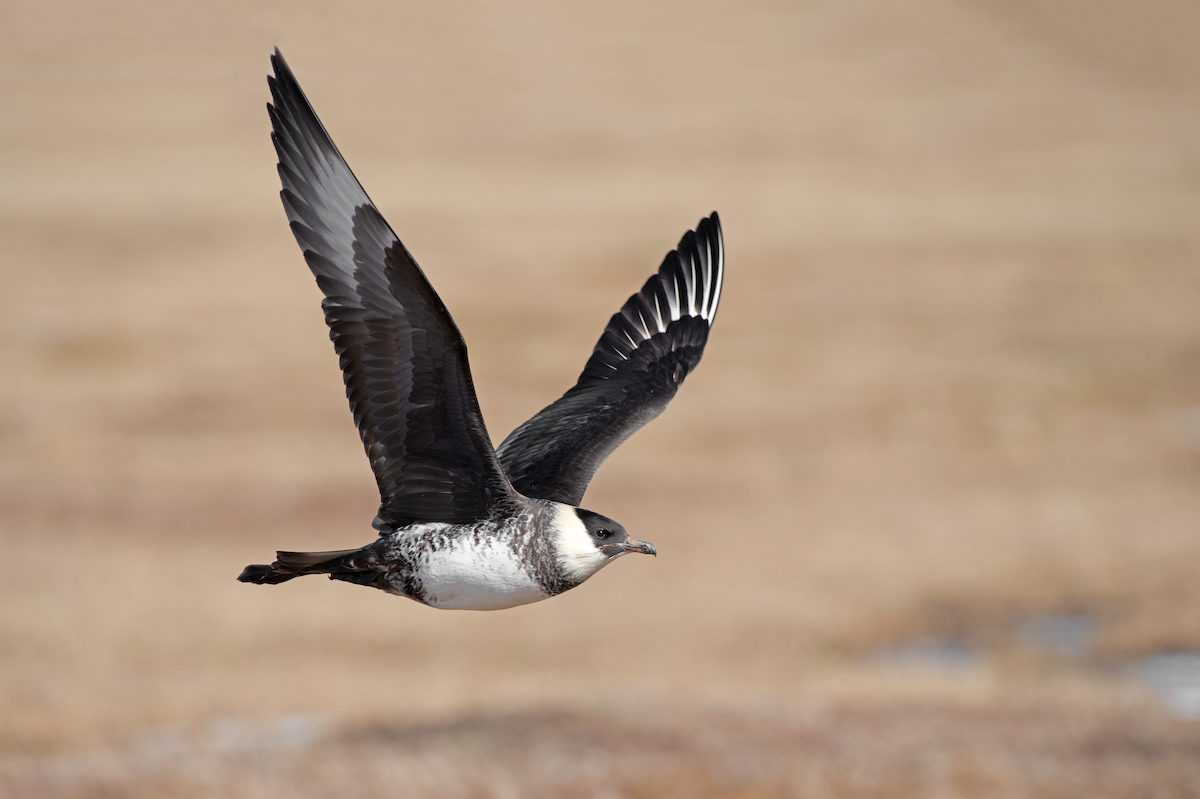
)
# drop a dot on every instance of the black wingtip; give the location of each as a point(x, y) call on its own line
point(686, 287)
point(255, 572)
point(283, 76)
point(279, 63)
point(710, 228)
point(709, 232)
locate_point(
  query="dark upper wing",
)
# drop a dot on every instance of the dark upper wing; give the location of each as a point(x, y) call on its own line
point(636, 368)
point(403, 359)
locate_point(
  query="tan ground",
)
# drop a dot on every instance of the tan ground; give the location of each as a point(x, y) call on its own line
point(955, 382)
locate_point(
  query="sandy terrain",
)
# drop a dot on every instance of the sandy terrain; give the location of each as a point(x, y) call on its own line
point(953, 394)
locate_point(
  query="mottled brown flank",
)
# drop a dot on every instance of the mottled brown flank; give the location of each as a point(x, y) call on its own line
point(954, 383)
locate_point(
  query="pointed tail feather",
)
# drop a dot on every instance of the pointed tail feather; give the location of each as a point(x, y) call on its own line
point(296, 564)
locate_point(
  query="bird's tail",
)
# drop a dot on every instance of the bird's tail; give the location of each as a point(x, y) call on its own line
point(295, 564)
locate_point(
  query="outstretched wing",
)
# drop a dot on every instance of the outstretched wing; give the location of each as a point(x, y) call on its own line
point(403, 358)
point(636, 368)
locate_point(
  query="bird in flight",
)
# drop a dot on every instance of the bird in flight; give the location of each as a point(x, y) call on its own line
point(463, 525)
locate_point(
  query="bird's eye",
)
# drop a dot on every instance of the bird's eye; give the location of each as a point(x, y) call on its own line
point(602, 534)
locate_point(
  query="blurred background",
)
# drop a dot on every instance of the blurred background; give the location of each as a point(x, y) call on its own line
point(927, 512)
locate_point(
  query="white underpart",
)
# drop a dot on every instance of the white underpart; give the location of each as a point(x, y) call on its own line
point(577, 553)
point(477, 576)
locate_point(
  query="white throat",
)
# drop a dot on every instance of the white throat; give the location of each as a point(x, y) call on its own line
point(577, 553)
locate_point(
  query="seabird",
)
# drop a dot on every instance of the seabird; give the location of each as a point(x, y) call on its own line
point(462, 525)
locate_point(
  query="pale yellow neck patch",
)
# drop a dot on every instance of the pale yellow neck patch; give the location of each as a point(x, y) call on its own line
point(577, 552)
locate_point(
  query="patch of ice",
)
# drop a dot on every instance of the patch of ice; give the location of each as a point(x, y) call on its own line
point(1070, 635)
point(1175, 678)
point(1189, 428)
point(929, 654)
point(281, 732)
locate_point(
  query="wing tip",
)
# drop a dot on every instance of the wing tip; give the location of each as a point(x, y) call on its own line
point(284, 86)
point(692, 273)
point(711, 238)
point(279, 64)
point(687, 286)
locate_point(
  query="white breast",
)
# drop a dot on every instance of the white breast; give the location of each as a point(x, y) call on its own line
point(470, 576)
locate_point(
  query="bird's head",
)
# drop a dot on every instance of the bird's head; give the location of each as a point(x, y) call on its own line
point(587, 542)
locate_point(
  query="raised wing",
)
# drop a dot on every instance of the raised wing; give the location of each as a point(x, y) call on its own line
point(637, 366)
point(403, 358)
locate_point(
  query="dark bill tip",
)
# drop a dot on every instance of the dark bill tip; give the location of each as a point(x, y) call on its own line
point(629, 545)
point(644, 547)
